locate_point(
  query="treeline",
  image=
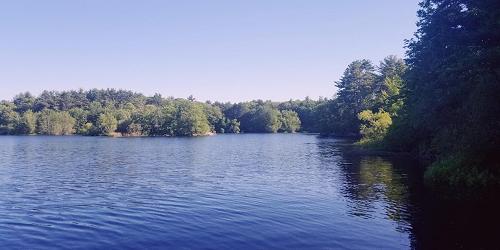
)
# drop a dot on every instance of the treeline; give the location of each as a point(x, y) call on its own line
point(363, 87)
point(121, 112)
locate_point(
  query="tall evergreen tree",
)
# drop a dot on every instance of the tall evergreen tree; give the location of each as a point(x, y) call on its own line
point(355, 94)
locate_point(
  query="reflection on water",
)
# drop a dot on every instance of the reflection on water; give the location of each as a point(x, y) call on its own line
point(372, 184)
point(393, 187)
point(224, 192)
point(377, 181)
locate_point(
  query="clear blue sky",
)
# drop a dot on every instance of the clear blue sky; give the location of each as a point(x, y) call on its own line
point(217, 50)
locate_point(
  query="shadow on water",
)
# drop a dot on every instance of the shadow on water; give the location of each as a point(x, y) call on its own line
point(394, 184)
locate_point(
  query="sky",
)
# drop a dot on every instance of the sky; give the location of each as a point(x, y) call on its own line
point(214, 50)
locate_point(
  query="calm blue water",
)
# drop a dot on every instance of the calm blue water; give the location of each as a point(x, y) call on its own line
point(254, 191)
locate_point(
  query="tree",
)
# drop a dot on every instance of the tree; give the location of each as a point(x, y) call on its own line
point(156, 121)
point(134, 129)
point(355, 94)
point(374, 125)
point(290, 121)
point(124, 119)
point(307, 112)
point(388, 85)
point(270, 119)
point(263, 119)
point(46, 100)
point(8, 118)
point(190, 120)
point(95, 109)
point(107, 123)
point(237, 110)
point(361, 87)
point(80, 116)
point(329, 119)
point(26, 123)
point(24, 102)
point(451, 114)
point(215, 118)
point(260, 117)
point(232, 126)
point(52, 122)
point(156, 100)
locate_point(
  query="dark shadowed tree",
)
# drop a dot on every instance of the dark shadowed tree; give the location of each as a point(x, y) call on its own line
point(24, 102)
point(451, 114)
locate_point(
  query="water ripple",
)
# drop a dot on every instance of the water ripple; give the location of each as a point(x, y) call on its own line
point(222, 192)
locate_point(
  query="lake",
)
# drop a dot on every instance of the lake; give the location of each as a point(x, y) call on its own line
point(247, 191)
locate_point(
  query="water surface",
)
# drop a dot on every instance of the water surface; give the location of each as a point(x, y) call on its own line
point(253, 191)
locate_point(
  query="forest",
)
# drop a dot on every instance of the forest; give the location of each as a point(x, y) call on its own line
point(367, 99)
point(441, 103)
point(113, 112)
point(451, 93)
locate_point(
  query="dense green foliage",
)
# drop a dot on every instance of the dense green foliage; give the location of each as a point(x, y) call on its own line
point(374, 125)
point(367, 98)
point(119, 112)
point(52, 122)
point(451, 113)
point(290, 121)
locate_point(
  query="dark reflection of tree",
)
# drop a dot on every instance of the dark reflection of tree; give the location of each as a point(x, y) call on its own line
point(433, 220)
point(370, 183)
